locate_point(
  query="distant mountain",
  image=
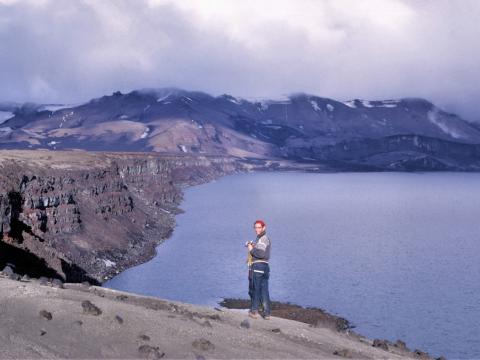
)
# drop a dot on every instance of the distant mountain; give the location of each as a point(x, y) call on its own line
point(403, 134)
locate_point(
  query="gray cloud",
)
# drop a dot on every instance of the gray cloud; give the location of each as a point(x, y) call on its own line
point(71, 51)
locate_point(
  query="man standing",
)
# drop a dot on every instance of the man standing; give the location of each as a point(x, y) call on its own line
point(259, 271)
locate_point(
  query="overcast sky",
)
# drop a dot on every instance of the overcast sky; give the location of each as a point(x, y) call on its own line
point(71, 51)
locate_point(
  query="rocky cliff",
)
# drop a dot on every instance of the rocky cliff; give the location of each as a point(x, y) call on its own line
point(86, 216)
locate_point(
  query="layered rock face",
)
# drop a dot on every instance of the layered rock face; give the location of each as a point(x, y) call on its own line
point(396, 153)
point(86, 216)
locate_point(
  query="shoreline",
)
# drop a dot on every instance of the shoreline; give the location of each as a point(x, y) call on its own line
point(153, 240)
point(43, 319)
point(88, 216)
point(318, 317)
point(267, 165)
point(150, 245)
point(146, 249)
point(313, 316)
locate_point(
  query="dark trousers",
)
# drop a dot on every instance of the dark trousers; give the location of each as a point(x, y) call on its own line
point(258, 287)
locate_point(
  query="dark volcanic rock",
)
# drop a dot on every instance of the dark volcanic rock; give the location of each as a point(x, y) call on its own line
point(150, 352)
point(144, 337)
point(90, 309)
point(203, 344)
point(119, 319)
point(53, 206)
point(316, 317)
point(399, 344)
point(245, 324)
point(382, 344)
point(421, 354)
point(343, 353)
point(45, 314)
point(396, 152)
point(7, 270)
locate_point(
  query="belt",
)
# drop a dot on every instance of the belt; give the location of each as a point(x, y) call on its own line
point(256, 261)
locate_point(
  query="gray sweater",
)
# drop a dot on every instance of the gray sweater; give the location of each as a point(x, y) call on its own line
point(261, 250)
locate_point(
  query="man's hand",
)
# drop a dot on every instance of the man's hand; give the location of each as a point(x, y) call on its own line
point(250, 246)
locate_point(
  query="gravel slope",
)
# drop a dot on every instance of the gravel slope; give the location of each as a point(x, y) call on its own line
point(41, 321)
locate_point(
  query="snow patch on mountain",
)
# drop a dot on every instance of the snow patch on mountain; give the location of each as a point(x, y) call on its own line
point(232, 99)
point(183, 148)
point(366, 103)
point(315, 105)
point(372, 104)
point(57, 107)
point(436, 120)
point(163, 98)
point(264, 105)
point(5, 115)
point(388, 103)
point(330, 107)
point(350, 103)
point(145, 133)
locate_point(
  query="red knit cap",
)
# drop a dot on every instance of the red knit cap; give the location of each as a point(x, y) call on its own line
point(259, 222)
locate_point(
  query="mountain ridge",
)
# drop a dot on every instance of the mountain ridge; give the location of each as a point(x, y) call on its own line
point(299, 127)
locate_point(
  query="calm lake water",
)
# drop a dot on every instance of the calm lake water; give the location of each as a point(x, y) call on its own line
point(395, 253)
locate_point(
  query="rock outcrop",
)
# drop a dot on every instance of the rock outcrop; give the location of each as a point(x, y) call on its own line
point(86, 216)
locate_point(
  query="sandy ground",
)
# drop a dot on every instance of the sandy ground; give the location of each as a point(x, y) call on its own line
point(40, 321)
